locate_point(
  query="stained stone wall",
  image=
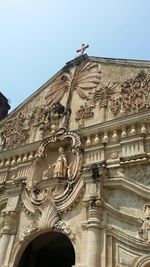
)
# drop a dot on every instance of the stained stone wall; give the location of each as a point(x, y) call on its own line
point(74, 158)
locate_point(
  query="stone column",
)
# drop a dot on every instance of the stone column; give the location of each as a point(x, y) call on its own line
point(93, 226)
point(9, 229)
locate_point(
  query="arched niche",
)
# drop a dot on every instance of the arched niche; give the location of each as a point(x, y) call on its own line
point(143, 261)
point(48, 249)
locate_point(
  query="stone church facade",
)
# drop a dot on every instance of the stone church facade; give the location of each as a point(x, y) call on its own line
point(74, 169)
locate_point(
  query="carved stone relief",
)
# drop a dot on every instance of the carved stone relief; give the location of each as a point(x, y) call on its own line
point(134, 95)
point(85, 112)
point(80, 78)
point(63, 227)
point(144, 231)
point(29, 230)
point(103, 93)
point(56, 183)
point(61, 171)
point(15, 131)
point(131, 95)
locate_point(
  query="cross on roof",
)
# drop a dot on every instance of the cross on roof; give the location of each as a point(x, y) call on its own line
point(82, 49)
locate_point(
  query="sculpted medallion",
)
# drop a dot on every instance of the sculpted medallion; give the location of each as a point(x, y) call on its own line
point(55, 171)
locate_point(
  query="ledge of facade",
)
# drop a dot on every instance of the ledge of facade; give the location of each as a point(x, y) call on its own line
point(126, 184)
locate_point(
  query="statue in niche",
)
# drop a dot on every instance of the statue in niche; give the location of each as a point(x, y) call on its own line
point(59, 168)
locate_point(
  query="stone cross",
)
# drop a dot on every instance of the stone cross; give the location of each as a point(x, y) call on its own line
point(82, 49)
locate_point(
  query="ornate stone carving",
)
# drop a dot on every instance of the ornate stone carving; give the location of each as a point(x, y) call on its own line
point(38, 195)
point(95, 210)
point(29, 230)
point(144, 231)
point(62, 227)
point(103, 93)
point(81, 78)
point(9, 221)
point(49, 215)
point(15, 131)
point(57, 182)
point(85, 112)
point(60, 168)
point(134, 95)
point(2, 140)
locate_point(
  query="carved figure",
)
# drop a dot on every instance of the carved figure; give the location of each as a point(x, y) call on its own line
point(60, 167)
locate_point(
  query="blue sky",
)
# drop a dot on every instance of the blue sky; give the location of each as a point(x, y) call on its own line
point(37, 37)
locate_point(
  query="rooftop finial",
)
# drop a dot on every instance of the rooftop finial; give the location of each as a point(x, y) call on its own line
point(82, 49)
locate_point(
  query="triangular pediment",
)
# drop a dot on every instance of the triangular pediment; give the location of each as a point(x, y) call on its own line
point(85, 92)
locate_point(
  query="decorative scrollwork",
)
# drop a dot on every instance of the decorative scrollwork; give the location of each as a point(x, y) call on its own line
point(134, 95)
point(62, 227)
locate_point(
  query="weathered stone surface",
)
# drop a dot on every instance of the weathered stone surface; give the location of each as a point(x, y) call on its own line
point(74, 159)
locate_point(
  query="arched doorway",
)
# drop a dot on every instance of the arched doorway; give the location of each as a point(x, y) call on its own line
point(49, 250)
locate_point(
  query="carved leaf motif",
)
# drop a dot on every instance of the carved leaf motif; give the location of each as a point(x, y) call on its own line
point(49, 217)
point(84, 112)
point(102, 95)
point(15, 130)
point(85, 77)
point(134, 95)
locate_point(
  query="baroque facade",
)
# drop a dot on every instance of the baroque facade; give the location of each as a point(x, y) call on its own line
point(74, 169)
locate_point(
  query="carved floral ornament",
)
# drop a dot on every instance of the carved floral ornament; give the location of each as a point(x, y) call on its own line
point(80, 78)
point(131, 95)
point(16, 130)
point(134, 95)
point(56, 183)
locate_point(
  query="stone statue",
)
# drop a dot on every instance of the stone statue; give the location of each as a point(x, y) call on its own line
point(60, 167)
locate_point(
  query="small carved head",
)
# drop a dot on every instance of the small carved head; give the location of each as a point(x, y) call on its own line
point(61, 150)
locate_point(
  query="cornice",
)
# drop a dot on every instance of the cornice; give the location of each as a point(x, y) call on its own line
point(101, 60)
point(119, 122)
point(121, 62)
point(126, 184)
point(122, 237)
point(121, 216)
point(19, 150)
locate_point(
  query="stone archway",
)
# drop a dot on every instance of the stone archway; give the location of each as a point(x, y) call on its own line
point(143, 261)
point(51, 249)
